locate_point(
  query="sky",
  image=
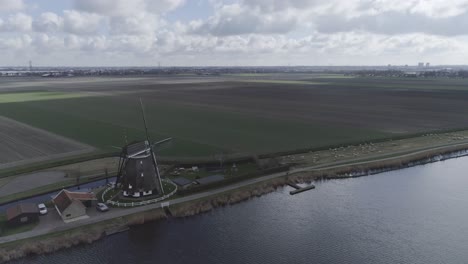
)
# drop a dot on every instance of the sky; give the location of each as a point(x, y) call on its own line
point(233, 32)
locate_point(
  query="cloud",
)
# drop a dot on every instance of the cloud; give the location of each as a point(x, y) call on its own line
point(110, 7)
point(81, 22)
point(163, 6)
point(392, 23)
point(48, 43)
point(280, 5)
point(11, 5)
point(139, 24)
point(350, 8)
point(133, 44)
point(237, 19)
point(125, 7)
point(111, 44)
point(378, 16)
point(238, 31)
point(429, 8)
point(93, 44)
point(48, 22)
point(15, 43)
point(18, 22)
point(136, 17)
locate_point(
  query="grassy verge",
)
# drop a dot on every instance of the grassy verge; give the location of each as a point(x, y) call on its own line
point(54, 163)
point(47, 189)
point(227, 170)
point(6, 230)
point(81, 230)
point(428, 151)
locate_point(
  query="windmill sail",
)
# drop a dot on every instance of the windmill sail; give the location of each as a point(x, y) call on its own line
point(151, 147)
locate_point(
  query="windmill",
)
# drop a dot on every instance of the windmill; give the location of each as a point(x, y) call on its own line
point(138, 168)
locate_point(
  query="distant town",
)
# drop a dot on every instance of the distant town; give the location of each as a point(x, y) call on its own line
point(419, 70)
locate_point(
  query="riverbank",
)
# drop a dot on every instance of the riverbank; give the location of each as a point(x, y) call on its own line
point(200, 203)
point(321, 157)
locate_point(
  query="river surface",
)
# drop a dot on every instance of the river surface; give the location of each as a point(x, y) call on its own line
point(415, 215)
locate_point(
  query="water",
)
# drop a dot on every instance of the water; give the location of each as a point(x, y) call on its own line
point(415, 215)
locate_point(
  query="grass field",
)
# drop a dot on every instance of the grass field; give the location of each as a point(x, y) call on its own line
point(104, 121)
point(244, 115)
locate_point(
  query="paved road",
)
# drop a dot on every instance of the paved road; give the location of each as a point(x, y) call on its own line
point(116, 212)
point(30, 181)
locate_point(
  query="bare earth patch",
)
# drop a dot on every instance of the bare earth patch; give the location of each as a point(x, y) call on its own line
point(22, 144)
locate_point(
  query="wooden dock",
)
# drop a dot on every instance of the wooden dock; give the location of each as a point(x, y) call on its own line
point(299, 189)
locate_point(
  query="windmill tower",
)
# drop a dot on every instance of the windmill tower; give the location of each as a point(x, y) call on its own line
point(138, 173)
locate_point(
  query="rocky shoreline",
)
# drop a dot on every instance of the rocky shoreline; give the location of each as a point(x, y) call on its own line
point(89, 234)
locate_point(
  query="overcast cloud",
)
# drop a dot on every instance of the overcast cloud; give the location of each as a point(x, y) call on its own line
point(234, 32)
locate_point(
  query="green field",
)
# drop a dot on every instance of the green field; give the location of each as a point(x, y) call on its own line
point(398, 83)
point(337, 80)
point(104, 121)
point(245, 114)
point(283, 82)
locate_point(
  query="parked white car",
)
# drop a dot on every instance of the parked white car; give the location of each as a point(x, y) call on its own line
point(101, 207)
point(42, 209)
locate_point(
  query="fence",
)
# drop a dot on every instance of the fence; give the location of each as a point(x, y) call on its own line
point(140, 203)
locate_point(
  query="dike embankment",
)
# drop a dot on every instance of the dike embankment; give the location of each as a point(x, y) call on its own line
point(88, 234)
point(371, 167)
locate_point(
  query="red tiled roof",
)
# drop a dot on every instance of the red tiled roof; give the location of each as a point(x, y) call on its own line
point(64, 198)
point(82, 196)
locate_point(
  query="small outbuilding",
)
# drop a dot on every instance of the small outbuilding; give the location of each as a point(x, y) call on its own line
point(71, 206)
point(182, 182)
point(210, 179)
point(22, 214)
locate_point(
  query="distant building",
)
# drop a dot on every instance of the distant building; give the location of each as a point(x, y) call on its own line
point(410, 74)
point(71, 206)
point(428, 64)
point(21, 214)
point(421, 64)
